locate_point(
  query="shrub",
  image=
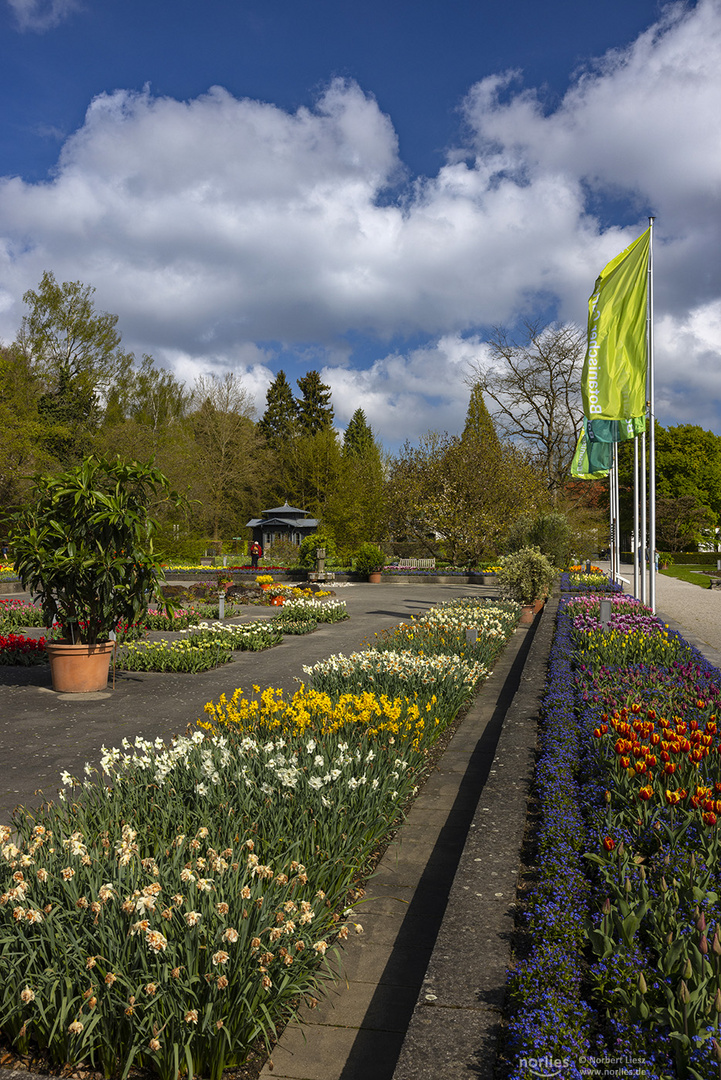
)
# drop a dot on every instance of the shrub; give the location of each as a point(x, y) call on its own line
point(308, 548)
point(525, 576)
point(368, 558)
point(550, 532)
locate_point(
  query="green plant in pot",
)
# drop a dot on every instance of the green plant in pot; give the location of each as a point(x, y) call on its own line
point(85, 548)
point(526, 576)
point(368, 560)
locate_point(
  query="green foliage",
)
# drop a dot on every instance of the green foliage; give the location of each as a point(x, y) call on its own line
point(85, 545)
point(368, 558)
point(282, 552)
point(308, 546)
point(526, 575)
point(358, 438)
point(315, 412)
point(74, 353)
point(279, 423)
point(682, 522)
point(549, 531)
point(457, 494)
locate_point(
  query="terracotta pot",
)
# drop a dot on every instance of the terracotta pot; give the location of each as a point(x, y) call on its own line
point(79, 669)
point(529, 612)
point(375, 577)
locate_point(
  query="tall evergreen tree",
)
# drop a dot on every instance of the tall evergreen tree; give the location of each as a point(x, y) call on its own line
point(358, 438)
point(280, 420)
point(315, 412)
point(479, 426)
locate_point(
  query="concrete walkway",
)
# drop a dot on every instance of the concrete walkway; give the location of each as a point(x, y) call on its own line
point(691, 610)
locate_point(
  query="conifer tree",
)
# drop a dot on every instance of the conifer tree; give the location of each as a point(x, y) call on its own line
point(280, 420)
point(315, 412)
point(479, 427)
point(358, 438)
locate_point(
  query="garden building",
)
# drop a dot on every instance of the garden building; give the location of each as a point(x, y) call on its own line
point(282, 523)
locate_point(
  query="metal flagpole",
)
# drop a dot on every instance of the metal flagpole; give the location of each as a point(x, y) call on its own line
point(617, 510)
point(636, 583)
point(652, 433)
point(642, 537)
point(612, 544)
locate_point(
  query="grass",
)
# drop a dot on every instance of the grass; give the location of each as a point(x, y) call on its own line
point(689, 572)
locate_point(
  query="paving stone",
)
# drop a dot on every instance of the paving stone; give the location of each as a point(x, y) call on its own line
point(450, 1044)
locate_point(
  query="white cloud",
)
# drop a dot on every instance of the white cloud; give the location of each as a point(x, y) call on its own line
point(42, 14)
point(689, 363)
point(216, 226)
point(404, 395)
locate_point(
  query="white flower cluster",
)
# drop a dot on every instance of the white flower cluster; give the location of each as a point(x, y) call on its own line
point(408, 667)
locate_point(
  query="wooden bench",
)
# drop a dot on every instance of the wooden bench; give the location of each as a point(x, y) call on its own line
point(417, 564)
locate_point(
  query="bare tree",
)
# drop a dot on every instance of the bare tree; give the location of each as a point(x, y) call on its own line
point(533, 387)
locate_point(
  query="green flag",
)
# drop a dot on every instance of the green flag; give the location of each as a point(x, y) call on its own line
point(592, 459)
point(613, 431)
point(613, 382)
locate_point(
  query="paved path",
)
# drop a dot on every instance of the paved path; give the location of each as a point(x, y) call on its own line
point(693, 611)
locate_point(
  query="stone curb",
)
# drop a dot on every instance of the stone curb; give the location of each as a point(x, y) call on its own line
point(456, 1021)
point(421, 990)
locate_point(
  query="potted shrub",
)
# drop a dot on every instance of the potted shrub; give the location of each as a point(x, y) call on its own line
point(84, 548)
point(369, 561)
point(526, 576)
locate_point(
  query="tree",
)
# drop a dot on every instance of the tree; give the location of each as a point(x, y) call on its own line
point(314, 469)
point(688, 482)
point(21, 450)
point(227, 471)
point(315, 412)
point(456, 495)
point(356, 508)
point(535, 387)
point(681, 523)
point(74, 353)
point(279, 423)
point(548, 531)
point(358, 438)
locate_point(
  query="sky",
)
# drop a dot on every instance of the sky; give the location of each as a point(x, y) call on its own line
point(366, 189)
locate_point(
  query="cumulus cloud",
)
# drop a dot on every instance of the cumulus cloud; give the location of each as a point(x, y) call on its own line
point(220, 225)
point(407, 393)
point(42, 15)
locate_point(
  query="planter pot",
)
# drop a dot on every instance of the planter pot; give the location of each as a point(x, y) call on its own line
point(529, 612)
point(79, 669)
point(375, 577)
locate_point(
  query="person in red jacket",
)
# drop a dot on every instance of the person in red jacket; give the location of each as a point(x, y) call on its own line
point(255, 553)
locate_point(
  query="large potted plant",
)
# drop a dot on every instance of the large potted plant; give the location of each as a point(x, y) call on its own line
point(526, 576)
point(84, 548)
point(369, 560)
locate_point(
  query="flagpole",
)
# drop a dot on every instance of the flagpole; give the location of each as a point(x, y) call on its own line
point(635, 519)
point(652, 424)
point(617, 507)
point(642, 499)
point(611, 547)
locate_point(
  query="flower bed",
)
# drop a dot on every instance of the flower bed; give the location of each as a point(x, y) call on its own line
point(624, 926)
point(430, 657)
point(18, 650)
point(173, 946)
point(595, 582)
point(17, 613)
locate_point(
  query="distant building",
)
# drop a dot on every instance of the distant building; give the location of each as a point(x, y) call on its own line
point(282, 523)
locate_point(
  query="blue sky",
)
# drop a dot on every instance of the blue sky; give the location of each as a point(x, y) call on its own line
point(363, 188)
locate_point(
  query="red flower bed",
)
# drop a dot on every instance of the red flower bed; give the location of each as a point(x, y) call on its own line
point(16, 649)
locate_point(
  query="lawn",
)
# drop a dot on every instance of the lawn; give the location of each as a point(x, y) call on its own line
point(695, 573)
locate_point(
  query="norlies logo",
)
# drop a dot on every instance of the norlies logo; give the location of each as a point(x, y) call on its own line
point(545, 1066)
